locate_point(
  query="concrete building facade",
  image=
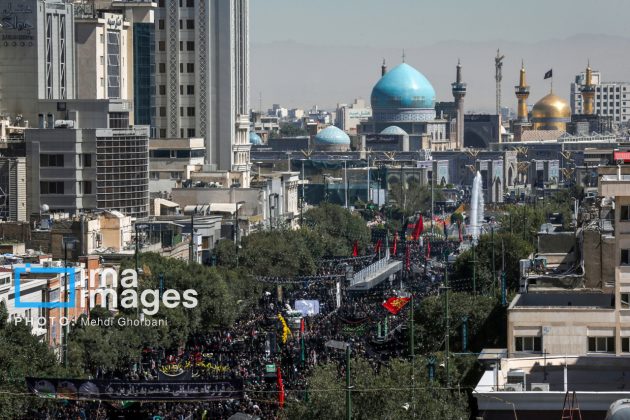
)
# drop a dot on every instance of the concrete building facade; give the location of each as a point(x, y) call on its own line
point(202, 78)
point(37, 54)
point(610, 98)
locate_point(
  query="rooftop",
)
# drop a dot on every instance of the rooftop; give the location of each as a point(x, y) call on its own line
point(560, 299)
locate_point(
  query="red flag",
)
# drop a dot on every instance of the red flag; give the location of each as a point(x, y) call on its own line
point(395, 246)
point(302, 326)
point(407, 257)
point(280, 388)
point(417, 230)
point(395, 304)
point(355, 249)
point(378, 246)
point(459, 228)
point(428, 249)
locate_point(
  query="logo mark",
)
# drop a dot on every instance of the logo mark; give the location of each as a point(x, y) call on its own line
point(27, 269)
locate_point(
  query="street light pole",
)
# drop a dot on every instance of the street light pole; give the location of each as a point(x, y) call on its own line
point(348, 386)
point(494, 267)
point(345, 181)
point(446, 321)
point(64, 331)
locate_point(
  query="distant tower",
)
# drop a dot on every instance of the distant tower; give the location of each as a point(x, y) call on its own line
point(459, 91)
point(588, 92)
point(498, 77)
point(383, 68)
point(522, 93)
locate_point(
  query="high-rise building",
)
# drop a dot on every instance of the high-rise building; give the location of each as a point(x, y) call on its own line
point(202, 78)
point(610, 99)
point(36, 55)
point(102, 46)
point(141, 15)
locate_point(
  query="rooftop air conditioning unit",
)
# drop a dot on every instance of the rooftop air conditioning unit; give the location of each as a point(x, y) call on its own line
point(513, 387)
point(540, 387)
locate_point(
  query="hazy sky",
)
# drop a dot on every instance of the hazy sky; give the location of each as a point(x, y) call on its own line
point(329, 51)
point(401, 23)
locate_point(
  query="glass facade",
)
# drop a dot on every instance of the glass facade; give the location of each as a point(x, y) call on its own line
point(144, 74)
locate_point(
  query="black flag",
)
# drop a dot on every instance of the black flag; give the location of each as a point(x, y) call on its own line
point(549, 74)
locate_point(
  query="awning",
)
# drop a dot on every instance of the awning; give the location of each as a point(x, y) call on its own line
point(212, 208)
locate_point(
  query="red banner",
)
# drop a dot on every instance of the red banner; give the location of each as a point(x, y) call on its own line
point(355, 249)
point(417, 230)
point(395, 304)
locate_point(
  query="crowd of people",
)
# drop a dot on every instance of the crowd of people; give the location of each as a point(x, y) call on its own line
point(255, 343)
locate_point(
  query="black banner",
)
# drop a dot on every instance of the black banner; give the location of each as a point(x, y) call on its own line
point(91, 389)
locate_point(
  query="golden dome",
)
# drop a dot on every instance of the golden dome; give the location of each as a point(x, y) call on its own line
point(551, 106)
point(551, 113)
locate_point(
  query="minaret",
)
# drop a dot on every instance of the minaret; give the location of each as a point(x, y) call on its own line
point(459, 91)
point(588, 92)
point(383, 68)
point(522, 93)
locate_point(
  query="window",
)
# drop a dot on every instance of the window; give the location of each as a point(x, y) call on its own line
point(162, 113)
point(190, 89)
point(181, 23)
point(181, 89)
point(190, 111)
point(101, 38)
point(162, 67)
point(87, 160)
point(531, 344)
point(190, 67)
point(625, 257)
point(181, 111)
point(176, 175)
point(161, 46)
point(625, 301)
point(190, 24)
point(190, 45)
point(625, 344)
point(181, 44)
point(101, 59)
point(160, 3)
point(163, 131)
point(51, 160)
point(154, 175)
point(54, 187)
point(161, 23)
point(191, 132)
point(102, 82)
point(601, 344)
point(190, 3)
point(181, 67)
point(162, 89)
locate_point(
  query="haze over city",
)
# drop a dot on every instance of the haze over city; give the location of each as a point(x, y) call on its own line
point(329, 54)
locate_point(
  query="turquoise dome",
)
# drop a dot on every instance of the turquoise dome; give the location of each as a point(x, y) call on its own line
point(332, 136)
point(393, 130)
point(403, 87)
point(254, 138)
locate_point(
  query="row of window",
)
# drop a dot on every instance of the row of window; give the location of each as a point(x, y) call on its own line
point(190, 90)
point(595, 344)
point(58, 187)
point(57, 160)
point(190, 45)
point(155, 176)
point(176, 154)
point(182, 3)
point(190, 67)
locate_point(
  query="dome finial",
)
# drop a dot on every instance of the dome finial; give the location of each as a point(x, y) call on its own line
point(404, 56)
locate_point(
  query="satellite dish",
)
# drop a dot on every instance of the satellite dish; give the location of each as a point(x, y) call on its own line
point(44, 208)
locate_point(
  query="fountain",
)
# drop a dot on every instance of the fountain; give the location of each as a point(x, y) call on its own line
point(476, 208)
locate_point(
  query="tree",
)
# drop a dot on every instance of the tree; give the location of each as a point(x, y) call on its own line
point(382, 393)
point(337, 229)
point(291, 130)
point(414, 198)
point(21, 355)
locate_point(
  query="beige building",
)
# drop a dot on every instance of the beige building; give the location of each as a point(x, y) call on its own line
point(104, 57)
point(173, 160)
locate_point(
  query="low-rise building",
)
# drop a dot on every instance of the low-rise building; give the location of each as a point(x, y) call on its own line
point(173, 160)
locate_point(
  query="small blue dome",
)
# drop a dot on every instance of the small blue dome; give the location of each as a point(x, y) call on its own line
point(254, 138)
point(403, 87)
point(332, 135)
point(393, 130)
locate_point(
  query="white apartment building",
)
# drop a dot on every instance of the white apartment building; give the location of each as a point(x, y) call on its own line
point(348, 117)
point(612, 99)
point(202, 78)
point(37, 54)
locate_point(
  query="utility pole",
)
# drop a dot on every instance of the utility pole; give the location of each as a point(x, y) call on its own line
point(368, 179)
point(474, 262)
point(494, 270)
point(432, 177)
point(345, 181)
point(446, 320)
point(302, 205)
point(413, 360)
point(348, 386)
point(191, 245)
